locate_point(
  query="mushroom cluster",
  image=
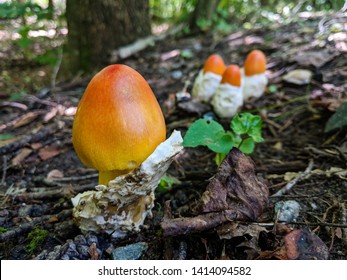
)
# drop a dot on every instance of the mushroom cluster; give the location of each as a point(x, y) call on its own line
point(228, 87)
point(208, 78)
point(119, 129)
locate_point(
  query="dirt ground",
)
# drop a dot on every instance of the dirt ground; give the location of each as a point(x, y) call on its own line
point(40, 172)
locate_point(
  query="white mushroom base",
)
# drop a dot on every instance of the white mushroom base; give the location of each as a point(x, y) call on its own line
point(123, 205)
point(253, 86)
point(205, 86)
point(227, 100)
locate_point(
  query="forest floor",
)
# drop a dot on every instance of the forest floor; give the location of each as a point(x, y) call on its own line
point(40, 172)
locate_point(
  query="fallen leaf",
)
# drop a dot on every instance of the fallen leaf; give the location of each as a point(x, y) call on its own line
point(36, 146)
point(53, 219)
point(22, 155)
point(298, 77)
point(234, 193)
point(71, 111)
point(54, 174)
point(49, 152)
point(26, 119)
point(50, 115)
point(304, 245)
point(93, 252)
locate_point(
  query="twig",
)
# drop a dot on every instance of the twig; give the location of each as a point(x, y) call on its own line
point(141, 44)
point(76, 178)
point(54, 194)
point(297, 179)
point(26, 227)
point(56, 68)
point(338, 225)
point(344, 220)
point(35, 137)
point(4, 169)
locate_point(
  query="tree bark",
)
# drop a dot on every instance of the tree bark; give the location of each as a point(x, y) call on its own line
point(204, 10)
point(96, 27)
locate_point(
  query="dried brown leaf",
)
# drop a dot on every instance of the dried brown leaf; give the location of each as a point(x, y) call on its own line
point(49, 152)
point(22, 155)
point(304, 245)
point(234, 193)
point(26, 119)
point(54, 174)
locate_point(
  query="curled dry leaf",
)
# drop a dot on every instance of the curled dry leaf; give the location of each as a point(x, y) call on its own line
point(234, 193)
point(298, 77)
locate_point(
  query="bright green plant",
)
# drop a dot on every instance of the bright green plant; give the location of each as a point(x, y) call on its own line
point(36, 237)
point(245, 131)
point(2, 230)
point(166, 183)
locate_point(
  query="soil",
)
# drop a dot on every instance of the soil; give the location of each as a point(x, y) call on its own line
point(40, 172)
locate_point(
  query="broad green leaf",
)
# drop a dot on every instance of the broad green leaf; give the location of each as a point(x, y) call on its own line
point(23, 42)
point(247, 146)
point(208, 133)
point(222, 144)
point(246, 123)
point(338, 119)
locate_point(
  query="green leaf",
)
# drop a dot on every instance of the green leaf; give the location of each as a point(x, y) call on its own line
point(246, 123)
point(23, 42)
point(338, 119)
point(166, 183)
point(5, 136)
point(208, 133)
point(219, 158)
point(247, 146)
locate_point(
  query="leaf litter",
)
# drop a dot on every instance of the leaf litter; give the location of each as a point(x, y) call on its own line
point(208, 213)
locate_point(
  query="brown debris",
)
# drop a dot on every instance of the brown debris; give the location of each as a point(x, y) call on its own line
point(235, 193)
point(303, 245)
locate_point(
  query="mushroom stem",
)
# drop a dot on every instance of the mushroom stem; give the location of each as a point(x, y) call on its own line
point(107, 176)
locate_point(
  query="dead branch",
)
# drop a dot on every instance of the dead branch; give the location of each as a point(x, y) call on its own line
point(26, 227)
point(31, 138)
point(141, 44)
point(293, 182)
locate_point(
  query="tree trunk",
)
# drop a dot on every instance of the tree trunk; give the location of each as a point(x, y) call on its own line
point(96, 27)
point(204, 10)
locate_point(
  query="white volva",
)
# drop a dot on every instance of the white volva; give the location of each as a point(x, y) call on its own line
point(253, 86)
point(227, 100)
point(205, 85)
point(122, 206)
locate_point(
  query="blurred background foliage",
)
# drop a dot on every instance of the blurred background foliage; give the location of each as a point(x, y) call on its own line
point(38, 27)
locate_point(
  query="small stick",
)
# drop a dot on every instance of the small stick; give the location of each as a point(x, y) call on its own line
point(76, 178)
point(297, 179)
point(26, 227)
point(4, 169)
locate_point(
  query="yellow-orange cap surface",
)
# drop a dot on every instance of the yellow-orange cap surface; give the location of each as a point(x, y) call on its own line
point(215, 64)
point(255, 63)
point(232, 75)
point(118, 122)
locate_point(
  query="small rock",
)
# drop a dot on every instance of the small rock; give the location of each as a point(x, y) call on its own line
point(177, 74)
point(287, 211)
point(129, 252)
point(31, 211)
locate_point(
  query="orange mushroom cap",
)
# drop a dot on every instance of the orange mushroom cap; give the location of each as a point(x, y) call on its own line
point(118, 122)
point(255, 63)
point(232, 75)
point(214, 64)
